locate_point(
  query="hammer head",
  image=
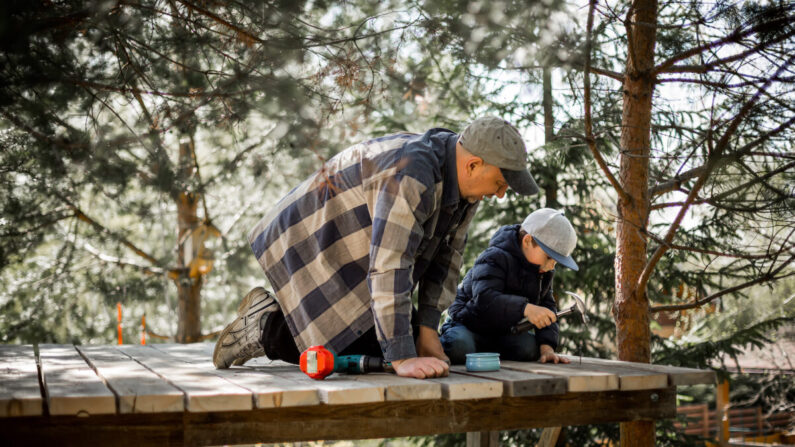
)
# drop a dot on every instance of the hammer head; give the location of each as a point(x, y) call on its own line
point(579, 307)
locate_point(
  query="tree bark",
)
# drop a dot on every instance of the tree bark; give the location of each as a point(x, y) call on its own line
point(631, 307)
point(188, 288)
point(551, 189)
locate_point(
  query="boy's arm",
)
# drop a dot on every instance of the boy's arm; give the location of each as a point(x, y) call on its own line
point(491, 309)
point(548, 335)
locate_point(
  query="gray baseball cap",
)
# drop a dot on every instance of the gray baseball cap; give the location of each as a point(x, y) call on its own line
point(498, 143)
point(554, 233)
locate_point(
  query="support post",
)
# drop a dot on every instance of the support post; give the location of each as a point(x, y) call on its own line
point(722, 412)
point(549, 437)
point(483, 439)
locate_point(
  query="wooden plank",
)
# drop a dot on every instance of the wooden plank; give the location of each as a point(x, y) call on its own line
point(462, 387)
point(187, 352)
point(398, 388)
point(138, 389)
point(392, 386)
point(359, 421)
point(676, 375)
point(628, 378)
point(580, 379)
point(71, 386)
point(20, 394)
point(204, 390)
point(269, 390)
point(336, 389)
point(520, 383)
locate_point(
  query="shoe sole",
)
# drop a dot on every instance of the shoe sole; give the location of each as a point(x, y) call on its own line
point(241, 310)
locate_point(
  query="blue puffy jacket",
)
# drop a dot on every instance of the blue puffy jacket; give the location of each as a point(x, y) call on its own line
point(493, 294)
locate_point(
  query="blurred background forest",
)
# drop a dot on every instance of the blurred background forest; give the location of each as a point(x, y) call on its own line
point(142, 139)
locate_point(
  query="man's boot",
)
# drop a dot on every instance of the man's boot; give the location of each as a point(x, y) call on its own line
point(240, 340)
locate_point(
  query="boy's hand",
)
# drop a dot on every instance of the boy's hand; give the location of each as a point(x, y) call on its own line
point(548, 356)
point(539, 316)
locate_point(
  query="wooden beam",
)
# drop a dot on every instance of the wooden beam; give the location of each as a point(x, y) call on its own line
point(355, 421)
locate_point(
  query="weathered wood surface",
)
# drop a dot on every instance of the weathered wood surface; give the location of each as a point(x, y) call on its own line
point(138, 389)
point(172, 395)
point(71, 386)
point(20, 394)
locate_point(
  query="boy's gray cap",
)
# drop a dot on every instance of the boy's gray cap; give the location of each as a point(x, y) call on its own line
point(498, 143)
point(554, 233)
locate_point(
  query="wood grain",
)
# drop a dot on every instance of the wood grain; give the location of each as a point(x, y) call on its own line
point(71, 386)
point(138, 389)
point(520, 383)
point(204, 390)
point(580, 379)
point(676, 375)
point(20, 394)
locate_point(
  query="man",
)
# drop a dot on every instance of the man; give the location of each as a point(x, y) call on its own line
point(345, 249)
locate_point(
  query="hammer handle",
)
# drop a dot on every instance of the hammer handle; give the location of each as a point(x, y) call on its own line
point(524, 325)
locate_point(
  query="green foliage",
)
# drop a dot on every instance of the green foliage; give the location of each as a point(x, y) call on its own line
point(704, 353)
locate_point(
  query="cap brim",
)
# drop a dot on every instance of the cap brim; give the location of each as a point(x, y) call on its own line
point(565, 261)
point(520, 181)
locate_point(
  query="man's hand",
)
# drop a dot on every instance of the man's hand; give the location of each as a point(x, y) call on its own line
point(428, 344)
point(548, 356)
point(421, 367)
point(539, 316)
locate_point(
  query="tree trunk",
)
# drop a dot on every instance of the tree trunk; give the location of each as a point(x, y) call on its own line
point(188, 286)
point(551, 188)
point(631, 307)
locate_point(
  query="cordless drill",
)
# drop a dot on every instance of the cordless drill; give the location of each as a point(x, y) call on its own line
point(318, 363)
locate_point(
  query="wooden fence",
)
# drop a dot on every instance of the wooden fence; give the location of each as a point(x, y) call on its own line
point(743, 422)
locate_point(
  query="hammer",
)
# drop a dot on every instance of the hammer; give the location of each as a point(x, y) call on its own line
point(578, 308)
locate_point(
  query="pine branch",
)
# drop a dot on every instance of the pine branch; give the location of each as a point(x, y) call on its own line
point(707, 67)
point(589, 138)
point(722, 85)
point(701, 354)
point(676, 183)
point(692, 249)
point(121, 262)
point(735, 37)
point(80, 215)
point(712, 200)
point(243, 35)
point(712, 163)
point(610, 74)
point(769, 276)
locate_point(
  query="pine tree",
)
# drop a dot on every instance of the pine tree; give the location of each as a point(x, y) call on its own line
point(124, 128)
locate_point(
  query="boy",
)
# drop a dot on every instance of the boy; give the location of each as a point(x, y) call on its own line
point(511, 280)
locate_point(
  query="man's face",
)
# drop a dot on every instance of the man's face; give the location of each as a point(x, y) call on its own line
point(482, 180)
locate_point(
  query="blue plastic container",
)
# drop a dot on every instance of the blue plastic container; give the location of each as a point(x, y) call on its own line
point(483, 361)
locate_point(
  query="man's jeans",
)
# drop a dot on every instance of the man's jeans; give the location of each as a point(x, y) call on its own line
point(458, 341)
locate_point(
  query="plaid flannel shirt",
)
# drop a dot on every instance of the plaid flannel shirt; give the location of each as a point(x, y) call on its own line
point(345, 248)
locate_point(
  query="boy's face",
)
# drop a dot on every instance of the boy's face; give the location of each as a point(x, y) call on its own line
point(536, 255)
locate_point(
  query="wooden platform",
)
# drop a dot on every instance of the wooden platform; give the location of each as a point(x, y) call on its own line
point(171, 395)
